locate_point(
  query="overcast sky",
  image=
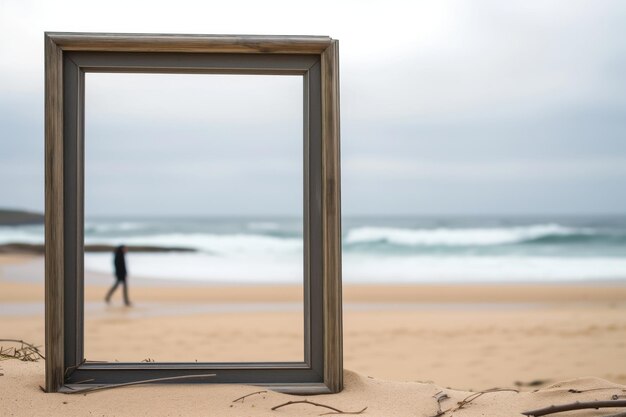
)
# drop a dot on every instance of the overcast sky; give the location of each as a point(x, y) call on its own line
point(473, 107)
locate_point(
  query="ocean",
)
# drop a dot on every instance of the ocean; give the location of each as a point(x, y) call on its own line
point(412, 249)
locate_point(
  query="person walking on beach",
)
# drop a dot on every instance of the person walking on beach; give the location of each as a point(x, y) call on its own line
point(119, 261)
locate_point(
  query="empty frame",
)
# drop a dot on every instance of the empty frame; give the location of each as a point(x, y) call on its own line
point(69, 56)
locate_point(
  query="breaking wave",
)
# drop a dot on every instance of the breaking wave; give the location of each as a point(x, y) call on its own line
point(463, 237)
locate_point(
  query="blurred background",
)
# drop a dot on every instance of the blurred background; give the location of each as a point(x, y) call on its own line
point(488, 131)
point(483, 143)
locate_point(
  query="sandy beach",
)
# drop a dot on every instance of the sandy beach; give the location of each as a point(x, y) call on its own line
point(424, 338)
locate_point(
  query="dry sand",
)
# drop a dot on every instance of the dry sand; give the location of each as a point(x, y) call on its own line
point(464, 337)
point(21, 396)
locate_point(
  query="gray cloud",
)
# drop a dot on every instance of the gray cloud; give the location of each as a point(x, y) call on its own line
point(446, 107)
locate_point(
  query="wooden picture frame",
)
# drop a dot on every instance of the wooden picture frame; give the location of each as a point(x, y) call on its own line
point(68, 56)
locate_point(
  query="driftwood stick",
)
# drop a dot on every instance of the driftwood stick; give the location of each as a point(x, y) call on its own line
point(336, 410)
point(247, 395)
point(145, 381)
point(575, 406)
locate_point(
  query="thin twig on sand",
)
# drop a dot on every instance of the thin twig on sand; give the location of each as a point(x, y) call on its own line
point(475, 395)
point(575, 406)
point(71, 369)
point(27, 352)
point(580, 391)
point(465, 401)
point(335, 410)
point(247, 395)
point(126, 384)
point(344, 412)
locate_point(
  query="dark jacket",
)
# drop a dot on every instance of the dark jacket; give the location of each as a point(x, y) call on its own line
point(120, 264)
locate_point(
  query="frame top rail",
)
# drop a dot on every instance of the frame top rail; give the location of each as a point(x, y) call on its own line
point(147, 42)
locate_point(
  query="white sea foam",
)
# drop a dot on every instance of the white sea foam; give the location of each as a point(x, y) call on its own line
point(458, 237)
point(232, 244)
point(367, 269)
point(30, 235)
point(203, 267)
point(453, 269)
point(258, 242)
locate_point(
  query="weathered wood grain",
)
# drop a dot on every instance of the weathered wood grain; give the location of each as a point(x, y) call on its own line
point(331, 220)
point(120, 42)
point(54, 264)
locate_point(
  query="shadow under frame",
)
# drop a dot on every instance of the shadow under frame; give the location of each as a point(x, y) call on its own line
point(68, 56)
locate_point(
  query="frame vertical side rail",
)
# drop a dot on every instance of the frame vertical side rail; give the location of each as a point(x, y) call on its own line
point(331, 220)
point(315, 210)
point(54, 238)
point(80, 221)
point(306, 219)
point(73, 211)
